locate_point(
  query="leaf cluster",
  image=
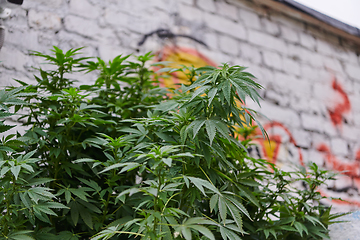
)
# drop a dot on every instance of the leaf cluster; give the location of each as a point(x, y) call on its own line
point(120, 159)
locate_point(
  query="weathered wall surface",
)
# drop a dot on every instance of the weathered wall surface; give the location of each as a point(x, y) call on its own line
point(312, 78)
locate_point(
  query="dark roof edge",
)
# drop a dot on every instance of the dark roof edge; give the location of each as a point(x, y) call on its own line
point(322, 17)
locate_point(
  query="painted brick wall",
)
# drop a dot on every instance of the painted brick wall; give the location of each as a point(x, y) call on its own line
point(312, 78)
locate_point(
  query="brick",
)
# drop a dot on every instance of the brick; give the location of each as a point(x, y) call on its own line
point(270, 27)
point(227, 10)
point(211, 39)
point(264, 76)
point(250, 52)
point(44, 20)
point(324, 93)
point(312, 122)
point(276, 98)
point(289, 34)
point(242, 4)
point(353, 71)
point(294, 51)
point(12, 58)
point(312, 58)
point(190, 13)
point(84, 9)
point(324, 47)
point(108, 52)
point(54, 4)
point(350, 132)
point(343, 182)
point(228, 45)
point(273, 60)
point(250, 19)
point(291, 66)
point(189, 2)
point(329, 128)
point(333, 64)
point(283, 115)
point(207, 5)
point(302, 138)
point(315, 157)
point(82, 26)
point(308, 41)
point(289, 22)
point(226, 26)
point(267, 41)
point(16, 37)
point(116, 18)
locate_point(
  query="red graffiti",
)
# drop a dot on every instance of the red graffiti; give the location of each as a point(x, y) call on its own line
point(337, 113)
point(344, 201)
point(278, 140)
point(349, 169)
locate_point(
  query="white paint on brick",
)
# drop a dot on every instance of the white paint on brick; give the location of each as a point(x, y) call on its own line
point(54, 4)
point(207, 5)
point(44, 20)
point(312, 122)
point(349, 229)
point(82, 26)
point(324, 47)
point(351, 132)
point(292, 67)
point(227, 10)
point(273, 60)
point(276, 98)
point(270, 27)
point(226, 26)
point(190, 13)
point(12, 58)
point(228, 45)
point(339, 146)
point(289, 34)
point(189, 2)
point(308, 41)
point(84, 9)
point(353, 71)
point(250, 52)
point(314, 156)
point(267, 41)
point(250, 19)
point(302, 138)
point(211, 39)
point(284, 115)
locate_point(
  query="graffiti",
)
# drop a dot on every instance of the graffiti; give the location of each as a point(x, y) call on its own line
point(178, 56)
point(277, 139)
point(281, 148)
point(166, 33)
point(350, 169)
point(337, 113)
point(276, 148)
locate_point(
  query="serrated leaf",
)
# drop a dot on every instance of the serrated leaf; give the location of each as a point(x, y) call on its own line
point(211, 130)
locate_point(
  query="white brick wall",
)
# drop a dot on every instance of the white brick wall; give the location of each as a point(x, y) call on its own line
point(294, 61)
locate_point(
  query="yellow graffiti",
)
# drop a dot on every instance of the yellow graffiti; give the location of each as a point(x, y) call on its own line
point(177, 58)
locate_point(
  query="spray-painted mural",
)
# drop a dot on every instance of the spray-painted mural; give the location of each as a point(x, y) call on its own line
point(281, 148)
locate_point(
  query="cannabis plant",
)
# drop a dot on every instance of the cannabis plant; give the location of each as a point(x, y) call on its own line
point(122, 158)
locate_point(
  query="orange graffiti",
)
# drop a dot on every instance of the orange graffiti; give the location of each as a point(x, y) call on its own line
point(337, 113)
point(350, 169)
point(271, 151)
point(178, 56)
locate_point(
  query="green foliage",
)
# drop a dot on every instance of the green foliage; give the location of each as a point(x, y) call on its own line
point(120, 159)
